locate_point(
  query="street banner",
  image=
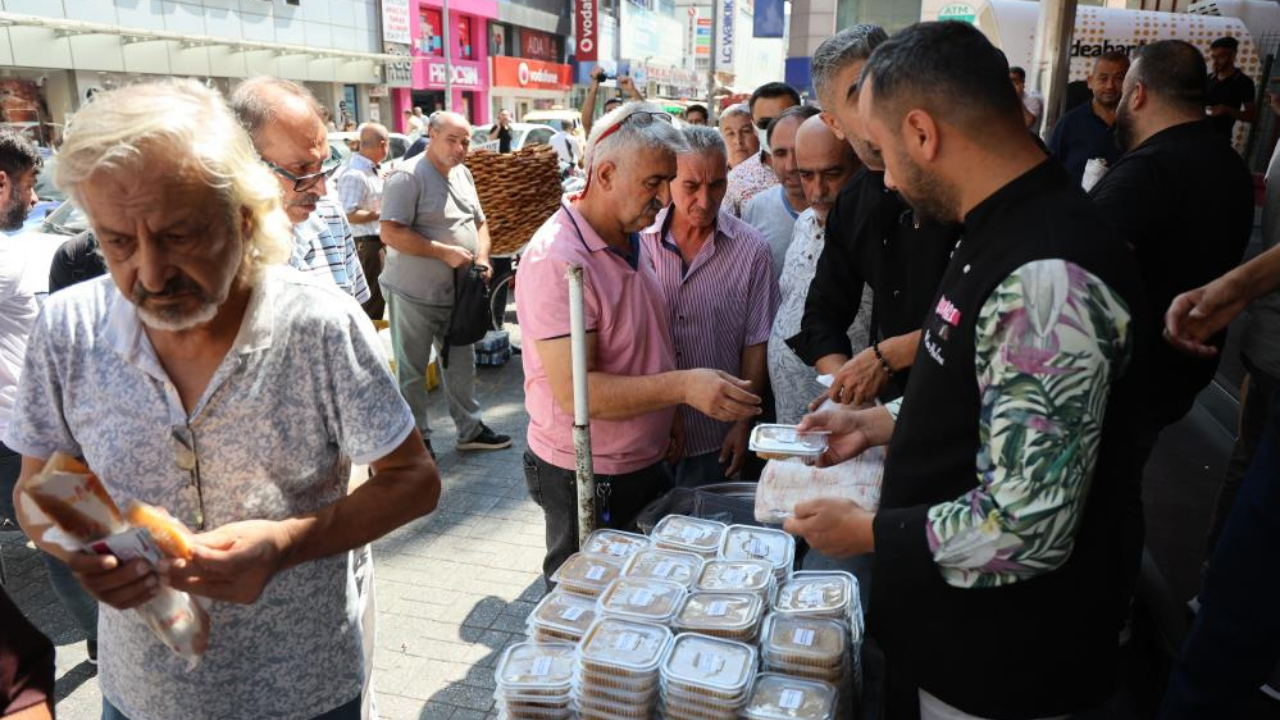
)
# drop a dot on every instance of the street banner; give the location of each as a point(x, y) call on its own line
point(724, 44)
point(586, 30)
point(395, 21)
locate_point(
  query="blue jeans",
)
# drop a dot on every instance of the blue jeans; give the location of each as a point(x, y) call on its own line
point(348, 711)
point(1235, 640)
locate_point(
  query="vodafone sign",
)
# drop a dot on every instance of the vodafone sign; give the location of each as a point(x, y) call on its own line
point(530, 74)
point(586, 26)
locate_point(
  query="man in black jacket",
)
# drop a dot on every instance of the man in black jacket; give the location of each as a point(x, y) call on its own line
point(1183, 199)
point(873, 238)
point(995, 535)
point(76, 261)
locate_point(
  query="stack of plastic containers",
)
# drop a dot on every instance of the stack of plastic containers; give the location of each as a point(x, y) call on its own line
point(535, 681)
point(821, 593)
point(808, 647)
point(670, 565)
point(738, 576)
point(653, 601)
point(561, 617)
point(781, 697)
point(733, 616)
point(744, 542)
point(615, 543)
point(695, 535)
point(617, 670)
point(586, 574)
point(706, 678)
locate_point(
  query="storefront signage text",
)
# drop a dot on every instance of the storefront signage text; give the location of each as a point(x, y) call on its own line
point(584, 30)
point(463, 75)
point(395, 21)
point(724, 57)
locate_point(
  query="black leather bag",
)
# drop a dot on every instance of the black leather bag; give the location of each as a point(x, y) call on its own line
point(471, 317)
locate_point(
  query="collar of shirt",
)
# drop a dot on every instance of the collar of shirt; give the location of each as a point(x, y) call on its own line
point(592, 241)
point(360, 162)
point(1020, 187)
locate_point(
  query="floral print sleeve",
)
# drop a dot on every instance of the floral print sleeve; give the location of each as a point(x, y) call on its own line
point(1049, 341)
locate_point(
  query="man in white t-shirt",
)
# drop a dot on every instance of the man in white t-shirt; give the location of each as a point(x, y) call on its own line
point(566, 144)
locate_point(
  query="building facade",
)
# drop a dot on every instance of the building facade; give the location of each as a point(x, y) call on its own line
point(529, 49)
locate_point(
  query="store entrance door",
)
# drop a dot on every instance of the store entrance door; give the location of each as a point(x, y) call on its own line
point(429, 100)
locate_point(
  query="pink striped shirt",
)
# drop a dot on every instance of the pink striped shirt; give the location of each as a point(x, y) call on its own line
point(722, 303)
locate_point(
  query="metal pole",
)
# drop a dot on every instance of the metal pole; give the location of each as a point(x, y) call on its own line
point(1052, 59)
point(715, 55)
point(448, 59)
point(581, 407)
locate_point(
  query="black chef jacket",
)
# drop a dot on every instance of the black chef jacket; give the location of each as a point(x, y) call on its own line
point(872, 238)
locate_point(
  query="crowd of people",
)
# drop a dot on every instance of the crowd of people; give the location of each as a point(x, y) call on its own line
point(1017, 326)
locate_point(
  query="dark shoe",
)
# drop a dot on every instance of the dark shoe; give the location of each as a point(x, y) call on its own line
point(93, 651)
point(486, 440)
point(430, 450)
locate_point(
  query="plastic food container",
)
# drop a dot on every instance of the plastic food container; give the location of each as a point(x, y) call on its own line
point(562, 616)
point(678, 532)
point(588, 575)
point(779, 442)
point(830, 594)
point(618, 668)
point(615, 543)
point(781, 697)
point(706, 677)
point(534, 681)
point(744, 542)
point(804, 641)
point(655, 601)
point(734, 616)
point(670, 565)
point(735, 576)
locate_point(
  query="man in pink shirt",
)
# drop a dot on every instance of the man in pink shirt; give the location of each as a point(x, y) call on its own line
point(634, 385)
point(716, 274)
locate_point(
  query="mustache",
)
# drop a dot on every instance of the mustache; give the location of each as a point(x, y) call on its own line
point(654, 207)
point(305, 199)
point(178, 285)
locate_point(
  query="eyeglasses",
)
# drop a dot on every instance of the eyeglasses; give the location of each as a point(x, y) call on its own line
point(183, 441)
point(303, 183)
point(763, 123)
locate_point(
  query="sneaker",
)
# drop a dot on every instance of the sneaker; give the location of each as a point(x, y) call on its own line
point(92, 647)
point(486, 440)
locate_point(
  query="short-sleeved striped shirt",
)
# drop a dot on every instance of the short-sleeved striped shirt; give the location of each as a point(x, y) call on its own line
point(720, 304)
point(324, 247)
point(359, 185)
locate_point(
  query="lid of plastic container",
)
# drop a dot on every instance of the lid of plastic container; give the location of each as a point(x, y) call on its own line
point(565, 611)
point(734, 576)
point(588, 571)
point(744, 542)
point(783, 697)
point(671, 565)
point(615, 543)
point(807, 637)
point(642, 599)
point(530, 665)
point(710, 662)
point(816, 592)
point(689, 532)
point(625, 644)
point(720, 611)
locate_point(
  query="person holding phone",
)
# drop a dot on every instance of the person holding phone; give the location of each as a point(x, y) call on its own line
point(589, 103)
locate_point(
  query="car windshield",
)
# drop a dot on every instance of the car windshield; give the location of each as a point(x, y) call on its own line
point(66, 220)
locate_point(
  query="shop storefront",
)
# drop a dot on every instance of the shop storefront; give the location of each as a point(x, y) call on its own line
point(521, 85)
point(468, 65)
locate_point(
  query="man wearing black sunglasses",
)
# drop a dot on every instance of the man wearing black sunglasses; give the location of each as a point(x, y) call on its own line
point(753, 175)
point(284, 121)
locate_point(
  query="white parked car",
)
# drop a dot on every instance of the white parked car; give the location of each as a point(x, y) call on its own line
point(522, 135)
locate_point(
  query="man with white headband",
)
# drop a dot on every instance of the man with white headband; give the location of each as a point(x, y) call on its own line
point(634, 386)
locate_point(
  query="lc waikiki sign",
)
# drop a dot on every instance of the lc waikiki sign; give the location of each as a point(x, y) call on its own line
point(586, 30)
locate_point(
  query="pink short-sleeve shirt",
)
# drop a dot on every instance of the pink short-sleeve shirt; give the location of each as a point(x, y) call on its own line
point(624, 307)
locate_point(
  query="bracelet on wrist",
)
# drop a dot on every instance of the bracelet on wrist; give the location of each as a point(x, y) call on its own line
point(884, 364)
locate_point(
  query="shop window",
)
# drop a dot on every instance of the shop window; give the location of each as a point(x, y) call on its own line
point(431, 42)
point(464, 39)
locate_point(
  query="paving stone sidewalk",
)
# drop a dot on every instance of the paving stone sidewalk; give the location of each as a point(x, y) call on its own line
point(453, 589)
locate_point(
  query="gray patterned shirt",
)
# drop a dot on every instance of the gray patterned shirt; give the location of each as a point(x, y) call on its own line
point(302, 393)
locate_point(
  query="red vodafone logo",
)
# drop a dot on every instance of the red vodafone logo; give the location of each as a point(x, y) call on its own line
point(522, 74)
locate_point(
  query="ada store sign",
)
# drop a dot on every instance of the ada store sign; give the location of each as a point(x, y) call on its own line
point(395, 21)
point(586, 30)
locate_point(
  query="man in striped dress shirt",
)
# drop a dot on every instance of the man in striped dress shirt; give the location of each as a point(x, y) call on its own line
point(716, 274)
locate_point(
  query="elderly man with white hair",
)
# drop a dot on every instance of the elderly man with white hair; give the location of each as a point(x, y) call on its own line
point(205, 377)
point(635, 386)
point(435, 232)
point(716, 275)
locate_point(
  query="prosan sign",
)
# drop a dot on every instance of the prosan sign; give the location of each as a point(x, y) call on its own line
point(464, 75)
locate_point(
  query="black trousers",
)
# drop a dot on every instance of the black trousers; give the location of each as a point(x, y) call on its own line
point(369, 248)
point(619, 498)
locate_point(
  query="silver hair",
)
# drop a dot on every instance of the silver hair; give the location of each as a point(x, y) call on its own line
point(703, 139)
point(626, 138)
point(737, 109)
point(128, 130)
point(255, 101)
point(836, 52)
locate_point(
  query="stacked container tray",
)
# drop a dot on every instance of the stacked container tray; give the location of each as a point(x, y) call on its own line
point(808, 647)
point(669, 565)
point(705, 678)
point(535, 681)
point(744, 542)
point(642, 600)
point(738, 576)
point(782, 697)
point(587, 575)
point(617, 670)
point(561, 617)
point(615, 543)
point(821, 593)
point(695, 535)
point(733, 616)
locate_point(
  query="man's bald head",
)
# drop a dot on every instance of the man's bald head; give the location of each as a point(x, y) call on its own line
point(261, 101)
point(287, 128)
point(374, 140)
point(825, 162)
point(450, 135)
